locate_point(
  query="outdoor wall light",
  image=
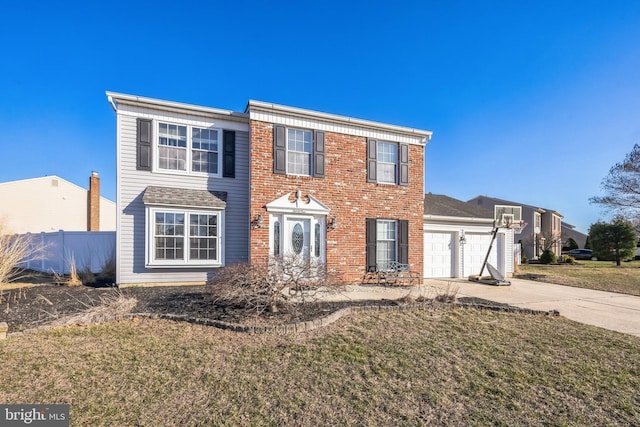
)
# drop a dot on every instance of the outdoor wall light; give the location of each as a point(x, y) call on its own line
point(257, 222)
point(463, 238)
point(332, 223)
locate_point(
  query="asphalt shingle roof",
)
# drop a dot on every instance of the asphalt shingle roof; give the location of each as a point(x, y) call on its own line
point(184, 197)
point(441, 205)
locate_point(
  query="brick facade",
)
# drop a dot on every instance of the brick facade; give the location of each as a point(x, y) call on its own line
point(345, 190)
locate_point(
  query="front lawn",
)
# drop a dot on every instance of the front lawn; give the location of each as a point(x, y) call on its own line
point(441, 366)
point(600, 275)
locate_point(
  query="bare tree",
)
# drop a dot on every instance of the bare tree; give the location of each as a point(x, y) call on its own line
point(543, 241)
point(622, 187)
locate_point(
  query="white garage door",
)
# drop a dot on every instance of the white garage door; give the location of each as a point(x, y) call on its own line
point(439, 254)
point(475, 250)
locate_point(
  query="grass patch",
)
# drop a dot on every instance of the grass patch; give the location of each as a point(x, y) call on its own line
point(443, 366)
point(599, 275)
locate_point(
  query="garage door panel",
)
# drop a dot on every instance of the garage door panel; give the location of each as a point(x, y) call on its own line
point(475, 251)
point(439, 254)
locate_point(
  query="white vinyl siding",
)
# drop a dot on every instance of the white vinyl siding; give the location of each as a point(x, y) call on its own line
point(132, 183)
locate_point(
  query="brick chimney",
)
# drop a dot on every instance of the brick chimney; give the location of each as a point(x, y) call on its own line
point(93, 214)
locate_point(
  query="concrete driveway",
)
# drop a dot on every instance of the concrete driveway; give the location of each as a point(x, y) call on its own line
point(617, 312)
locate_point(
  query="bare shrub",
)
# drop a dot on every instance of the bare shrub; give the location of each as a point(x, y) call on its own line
point(254, 287)
point(282, 282)
point(15, 251)
point(448, 295)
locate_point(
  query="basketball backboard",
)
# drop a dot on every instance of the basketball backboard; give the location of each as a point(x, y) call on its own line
point(507, 216)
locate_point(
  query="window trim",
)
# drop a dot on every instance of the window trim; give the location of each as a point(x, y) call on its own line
point(151, 262)
point(189, 149)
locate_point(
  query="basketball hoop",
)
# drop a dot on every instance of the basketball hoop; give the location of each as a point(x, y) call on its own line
point(518, 227)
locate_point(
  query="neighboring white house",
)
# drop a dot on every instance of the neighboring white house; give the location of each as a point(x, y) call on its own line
point(457, 236)
point(50, 203)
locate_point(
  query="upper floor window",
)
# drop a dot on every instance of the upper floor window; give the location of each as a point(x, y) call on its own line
point(204, 146)
point(299, 151)
point(187, 149)
point(172, 147)
point(195, 151)
point(387, 162)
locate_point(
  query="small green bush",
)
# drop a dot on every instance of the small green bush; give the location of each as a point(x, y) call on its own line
point(568, 259)
point(548, 257)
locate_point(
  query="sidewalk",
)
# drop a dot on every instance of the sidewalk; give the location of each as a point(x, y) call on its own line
point(617, 312)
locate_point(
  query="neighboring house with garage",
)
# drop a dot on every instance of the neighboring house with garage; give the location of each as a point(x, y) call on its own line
point(199, 188)
point(457, 236)
point(544, 226)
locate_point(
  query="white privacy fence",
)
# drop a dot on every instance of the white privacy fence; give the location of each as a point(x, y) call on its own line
point(87, 249)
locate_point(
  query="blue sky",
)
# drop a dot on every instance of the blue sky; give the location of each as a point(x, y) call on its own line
point(529, 101)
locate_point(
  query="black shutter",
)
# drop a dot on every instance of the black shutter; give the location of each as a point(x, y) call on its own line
point(229, 154)
point(372, 160)
point(143, 145)
point(403, 241)
point(371, 244)
point(403, 164)
point(318, 154)
point(279, 150)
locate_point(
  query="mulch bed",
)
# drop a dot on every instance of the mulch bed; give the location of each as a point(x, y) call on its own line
point(31, 307)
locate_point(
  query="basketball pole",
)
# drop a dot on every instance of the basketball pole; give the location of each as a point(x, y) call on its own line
point(486, 258)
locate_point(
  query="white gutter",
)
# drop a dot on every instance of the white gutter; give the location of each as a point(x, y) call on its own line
point(112, 102)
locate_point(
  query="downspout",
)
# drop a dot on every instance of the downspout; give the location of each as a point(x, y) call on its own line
point(113, 103)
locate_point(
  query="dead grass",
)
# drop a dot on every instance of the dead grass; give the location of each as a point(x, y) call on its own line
point(443, 366)
point(599, 275)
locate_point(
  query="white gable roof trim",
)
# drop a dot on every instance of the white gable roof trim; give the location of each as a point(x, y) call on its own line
point(175, 107)
point(292, 116)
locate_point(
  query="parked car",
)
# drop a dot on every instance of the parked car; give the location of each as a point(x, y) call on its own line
point(579, 253)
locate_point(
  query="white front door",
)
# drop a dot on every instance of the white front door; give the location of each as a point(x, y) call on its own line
point(297, 238)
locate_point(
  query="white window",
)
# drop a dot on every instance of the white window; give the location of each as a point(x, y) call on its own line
point(299, 150)
point(204, 149)
point(172, 147)
point(386, 243)
point(178, 237)
point(387, 162)
point(189, 149)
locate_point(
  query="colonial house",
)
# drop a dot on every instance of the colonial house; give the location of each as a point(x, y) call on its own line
point(199, 188)
point(543, 230)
